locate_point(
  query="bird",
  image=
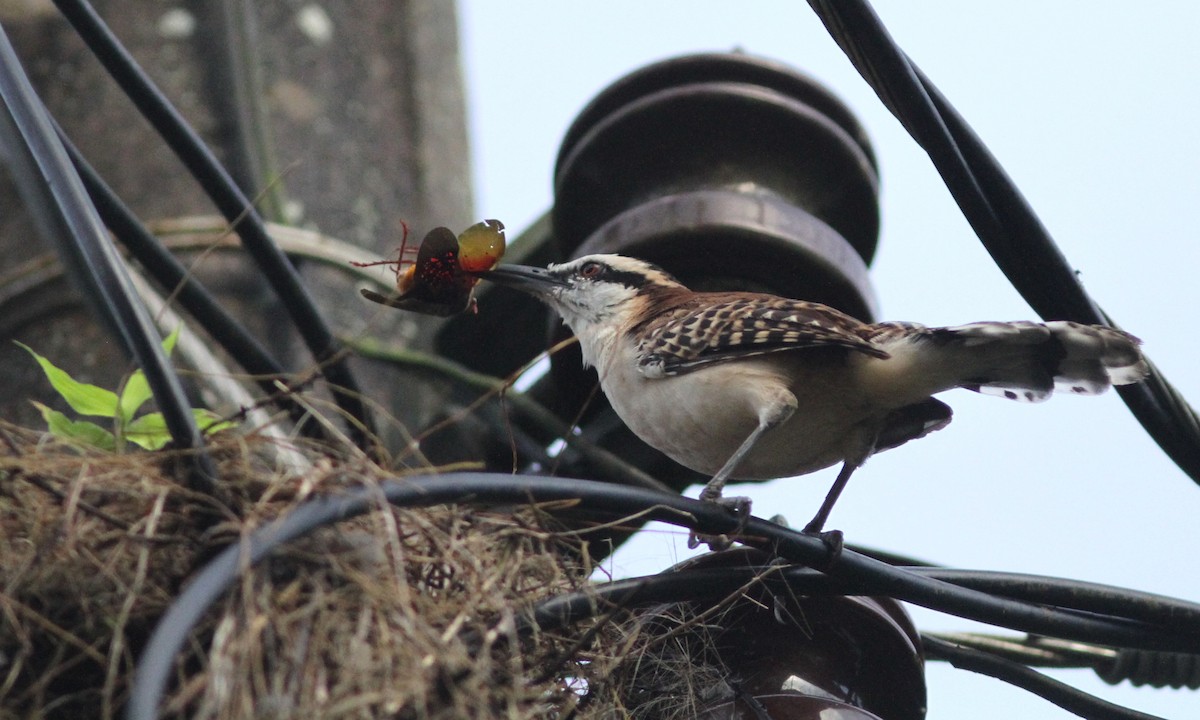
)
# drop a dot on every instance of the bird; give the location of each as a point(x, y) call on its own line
point(751, 386)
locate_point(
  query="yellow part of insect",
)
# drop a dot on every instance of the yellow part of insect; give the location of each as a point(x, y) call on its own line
point(404, 280)
point(481, 246)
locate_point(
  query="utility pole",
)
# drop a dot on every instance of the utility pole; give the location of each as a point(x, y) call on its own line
point(345, 119)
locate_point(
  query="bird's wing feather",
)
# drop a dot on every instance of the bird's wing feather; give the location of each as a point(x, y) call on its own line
point(714, 330)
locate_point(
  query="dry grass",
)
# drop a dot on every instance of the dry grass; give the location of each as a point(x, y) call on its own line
point(398, 613)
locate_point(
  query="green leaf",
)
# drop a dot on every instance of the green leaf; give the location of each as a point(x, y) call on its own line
point(168, 343)
point(210, 422)
point(148, 431)
point(137, 390)
point(84, 398)
point(133, 396)
point(78, 431)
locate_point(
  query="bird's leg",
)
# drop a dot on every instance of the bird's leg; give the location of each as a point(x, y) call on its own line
point(775, 409)
point(816, 526)
point(712, 490)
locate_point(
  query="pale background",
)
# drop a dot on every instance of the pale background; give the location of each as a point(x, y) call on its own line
point(1094, 110)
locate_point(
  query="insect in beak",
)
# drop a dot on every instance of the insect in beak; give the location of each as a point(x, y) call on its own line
point(442, 279)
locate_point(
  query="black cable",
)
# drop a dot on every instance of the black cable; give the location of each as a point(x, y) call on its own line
point(1063, 621)
point(909, 96)
point(1078, 595)
point(1156, 669)
point(889, 557)
point(1063, 695)
point(232, 203)
point(60, 206)
point(607, 500)
point(172, 277)
point(1028, 257)
point(996, 210)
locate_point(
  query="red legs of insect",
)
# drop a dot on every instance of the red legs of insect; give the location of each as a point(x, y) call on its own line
point(400, 260)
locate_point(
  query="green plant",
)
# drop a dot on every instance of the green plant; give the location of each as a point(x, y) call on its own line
point(148, 431)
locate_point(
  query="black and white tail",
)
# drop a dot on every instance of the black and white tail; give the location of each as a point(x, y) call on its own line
point(1027, 361)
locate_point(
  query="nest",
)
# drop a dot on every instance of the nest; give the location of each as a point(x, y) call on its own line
point(404, 613)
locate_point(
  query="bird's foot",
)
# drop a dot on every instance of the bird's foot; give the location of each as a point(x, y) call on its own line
point(739, 506)
point(833, 541)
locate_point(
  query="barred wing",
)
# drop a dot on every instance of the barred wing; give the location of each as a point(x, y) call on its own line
point(712, 330)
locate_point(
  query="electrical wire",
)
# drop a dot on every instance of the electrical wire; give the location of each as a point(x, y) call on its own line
point(1034, 650)
point(1076, 594)
point(1001, 217)
point(850, 573)
point(1156, 669)
point(1063, 695)
point(174, 278)
point(232, 203)
point(60, 207)
point(1072, 616)
point(1113, 665)
point(698, 585)
point(1028, 249)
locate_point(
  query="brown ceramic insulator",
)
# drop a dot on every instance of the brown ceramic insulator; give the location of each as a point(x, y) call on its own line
point(716, 121)
point(814, 657)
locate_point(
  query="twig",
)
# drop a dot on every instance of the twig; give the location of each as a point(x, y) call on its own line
point(524, 404)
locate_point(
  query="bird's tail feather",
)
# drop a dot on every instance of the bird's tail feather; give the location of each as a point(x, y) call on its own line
point(1027, 361)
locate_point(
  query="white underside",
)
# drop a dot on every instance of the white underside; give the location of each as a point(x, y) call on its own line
point(700, 418)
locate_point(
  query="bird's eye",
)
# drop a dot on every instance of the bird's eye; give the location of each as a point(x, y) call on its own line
point(591, 269)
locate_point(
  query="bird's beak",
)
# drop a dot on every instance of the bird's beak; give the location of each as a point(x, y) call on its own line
point(536, 281)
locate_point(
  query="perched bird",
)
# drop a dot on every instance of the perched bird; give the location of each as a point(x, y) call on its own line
point(749, 386)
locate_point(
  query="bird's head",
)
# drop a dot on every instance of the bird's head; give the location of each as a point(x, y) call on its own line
point(608, 290)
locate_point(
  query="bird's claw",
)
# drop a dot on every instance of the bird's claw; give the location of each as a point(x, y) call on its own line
point(739, 506)
point(834, 542)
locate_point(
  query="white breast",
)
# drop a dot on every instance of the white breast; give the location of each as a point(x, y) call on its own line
point(701, 417)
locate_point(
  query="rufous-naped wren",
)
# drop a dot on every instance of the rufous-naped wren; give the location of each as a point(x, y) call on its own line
point(750, 386)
